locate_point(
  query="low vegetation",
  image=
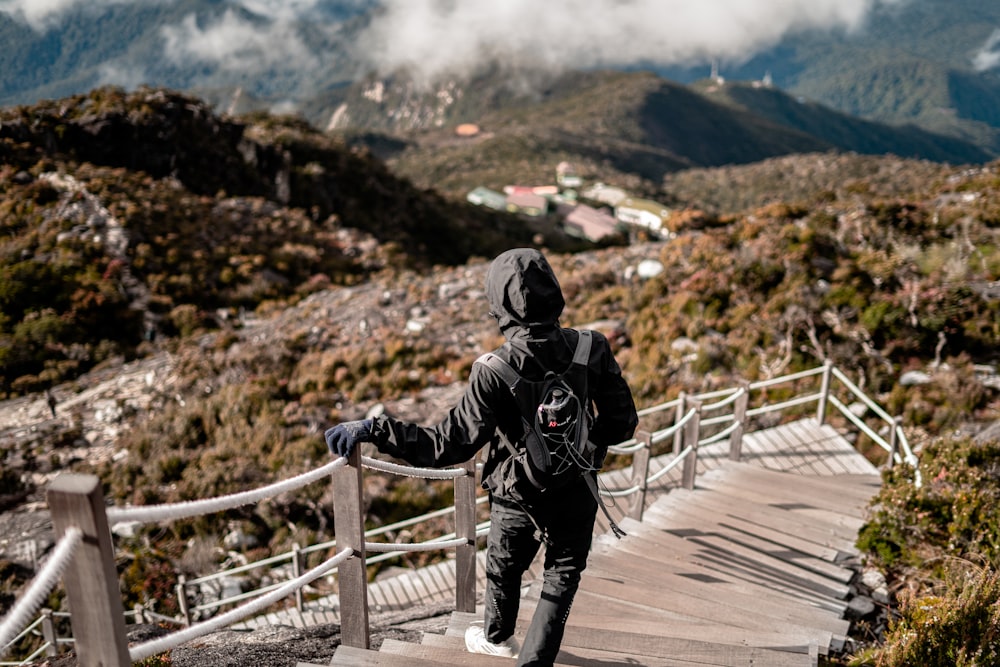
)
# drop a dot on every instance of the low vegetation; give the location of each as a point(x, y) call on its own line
point(939, 544)
point(284, 310)
point(133, 217)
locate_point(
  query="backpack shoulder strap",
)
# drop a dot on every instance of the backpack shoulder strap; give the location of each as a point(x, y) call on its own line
point(582, 354)
point(501, 368)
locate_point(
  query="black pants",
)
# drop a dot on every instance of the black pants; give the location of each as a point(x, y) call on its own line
point(567, 519)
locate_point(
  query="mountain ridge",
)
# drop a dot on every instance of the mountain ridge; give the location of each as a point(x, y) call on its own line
point(924, 62)
point(627, 126)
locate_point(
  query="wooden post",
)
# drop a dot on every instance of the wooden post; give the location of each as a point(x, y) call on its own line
point(692, 433)
point(640, 473)
point(465, 527)
point(182, 600)
point(95, 602)
point(740, 417)
point(296, 573)
point(894, 440)
point(49, 634)
point(349, 527)
point(679, 415)
point(824, 392)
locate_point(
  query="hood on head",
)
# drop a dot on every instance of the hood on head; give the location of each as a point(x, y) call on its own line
point(523, 291)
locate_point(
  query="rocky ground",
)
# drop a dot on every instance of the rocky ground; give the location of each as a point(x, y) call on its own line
point(81, 423)
point(281, 646)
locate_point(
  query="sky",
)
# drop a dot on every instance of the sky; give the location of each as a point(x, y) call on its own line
point(447, 37)
point(444, 38)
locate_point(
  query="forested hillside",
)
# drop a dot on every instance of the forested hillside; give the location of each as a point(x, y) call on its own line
point(203, 295)
point(130, 217)
point(629, 128)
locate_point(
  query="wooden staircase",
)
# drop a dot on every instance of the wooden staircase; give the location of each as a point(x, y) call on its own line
point(752, 567)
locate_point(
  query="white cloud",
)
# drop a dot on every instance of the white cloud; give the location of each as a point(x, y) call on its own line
point(434, 38)
point(234, 43)
point(988, 56)
point(440, 37)
point(41, 14)
point(125, 76)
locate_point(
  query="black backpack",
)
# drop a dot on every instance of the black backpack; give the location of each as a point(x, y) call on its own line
point(556, 417)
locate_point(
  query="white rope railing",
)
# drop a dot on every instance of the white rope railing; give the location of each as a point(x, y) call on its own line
point(482, 529)
point(724, 402)
point(191, 508)
point(687, 451)
point(791, 377)
point(660, 436)
point(271, 594)
point(653, 409)
point(410, 471)
point(385, 547)
point(777, 407)
point(630, 446)
point(43, 583)
point(175, 639)
point(29, 629)
point(621, 493)
point(721, 435)
point(28, 660)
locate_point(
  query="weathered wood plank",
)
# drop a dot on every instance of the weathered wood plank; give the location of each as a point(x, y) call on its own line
point(776, 519)
point(705, 631)
point(675, 551)
point(860, 486)
point(829, 438)
point(824, 452)
point(817, 456)
point(692, 517)
point(572, 655)
point(718, 610)
point(350, 656)
point(453, 654)
point(637, 644)
point(840, 490)
point(794, 542)
point(752, 597)
point(724, 574)
point(760, 489)
point(842, 523)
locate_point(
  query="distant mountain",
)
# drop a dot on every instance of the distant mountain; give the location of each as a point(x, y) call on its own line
point(614, 126)
point(931, 63)
point(141, 216)
point(190, 45)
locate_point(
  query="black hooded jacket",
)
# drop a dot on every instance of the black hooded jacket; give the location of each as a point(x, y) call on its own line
point(525, 298)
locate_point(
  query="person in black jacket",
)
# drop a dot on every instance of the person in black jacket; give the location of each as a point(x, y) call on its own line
point(526, 300)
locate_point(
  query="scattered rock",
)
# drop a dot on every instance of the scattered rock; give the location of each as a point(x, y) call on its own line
point(911, 378)
point(859, 607)
point(684, 345)
point(872, 579)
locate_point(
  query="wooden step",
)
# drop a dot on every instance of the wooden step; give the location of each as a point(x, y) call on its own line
point(717, 561)
point(571, 654)
point(764, 515)
point(710, 522)
point(785, 638)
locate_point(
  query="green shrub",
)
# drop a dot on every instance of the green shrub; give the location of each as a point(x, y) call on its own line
point(955, 512)
point(923, 534)
point(960, 627)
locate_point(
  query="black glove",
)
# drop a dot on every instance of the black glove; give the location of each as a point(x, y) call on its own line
point(342, 438)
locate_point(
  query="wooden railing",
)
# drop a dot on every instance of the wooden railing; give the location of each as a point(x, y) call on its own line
point(86, 554)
